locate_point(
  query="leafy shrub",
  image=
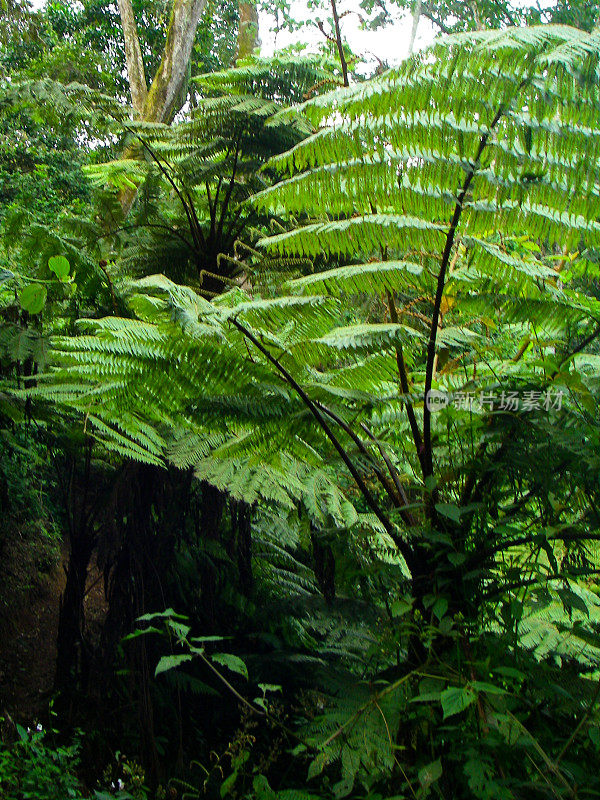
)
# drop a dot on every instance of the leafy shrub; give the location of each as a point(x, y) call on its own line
point(32, 768)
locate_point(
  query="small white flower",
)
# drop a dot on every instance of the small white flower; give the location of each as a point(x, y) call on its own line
point(38, 727)
point(120, 784)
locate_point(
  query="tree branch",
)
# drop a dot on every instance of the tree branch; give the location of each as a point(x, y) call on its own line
point(165, 172)
point(396, 499)
point(339, 42)
point(406, 515)
point(588, 340)
point(364, 490)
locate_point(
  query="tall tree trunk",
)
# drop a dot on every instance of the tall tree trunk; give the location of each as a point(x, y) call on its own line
point(133, 57)
point(415, 24)
point(161, 102)
point(248, 39)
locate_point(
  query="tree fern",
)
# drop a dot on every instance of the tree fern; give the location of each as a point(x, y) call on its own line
point(461, 203)
point(445, 205)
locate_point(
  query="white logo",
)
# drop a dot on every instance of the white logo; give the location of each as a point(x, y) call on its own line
point(436, 400)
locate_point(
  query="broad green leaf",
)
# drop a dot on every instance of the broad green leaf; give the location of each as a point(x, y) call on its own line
point(456, 699)
point(234, 663)
point(400, 607)
point(448, 510)
point(60, 266)
point(269, 687)
point(317, 766)
point(179, 628)
point(33, 298)
point(140, 632)
point(426, 697)
point(201, 639)
point(228, 784)
point(440, 607)
point(262, 790)
point(430, 773)
point(510, 672)
point(488, 688)
point(168, 613)
point(344, 787)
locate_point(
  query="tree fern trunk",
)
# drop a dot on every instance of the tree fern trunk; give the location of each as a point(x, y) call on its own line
point(71, 655)
point(212, 505)
point(241, 518)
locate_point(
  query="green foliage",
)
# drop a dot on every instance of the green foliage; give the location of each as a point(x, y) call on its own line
point(451, 16)
point(450, 210)
point(31, 535)
point(212, 162)
point(428, 235)
point(31, 768)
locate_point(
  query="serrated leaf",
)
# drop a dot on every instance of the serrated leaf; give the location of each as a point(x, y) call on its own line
point(269, 687)
point(170, 662)
point(201, 639)
point(179, 628)
point(426, 697)
point(456, 699)
point(234, 663)
point(488, 688)
point(140, 632)
point(168, 613)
